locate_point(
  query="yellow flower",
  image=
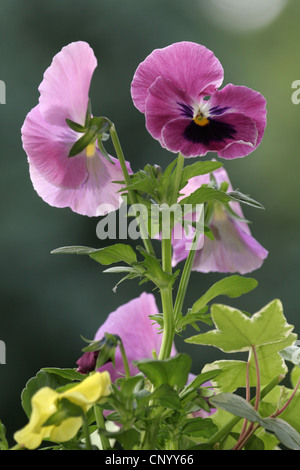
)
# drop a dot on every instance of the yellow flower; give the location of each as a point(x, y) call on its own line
point(45, 403)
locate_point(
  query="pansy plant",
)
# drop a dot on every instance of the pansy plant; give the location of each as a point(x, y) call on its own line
point(131, 389)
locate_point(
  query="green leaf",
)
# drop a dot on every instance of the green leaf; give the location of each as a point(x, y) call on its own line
point(42, 379)
point(205, 194)
point(202, 378)
point(191, 318)
point(295, 376)
point(3, 441)
point(128, 438)
point(198, 427)
point(108, 255)
point(236, 405)
point(255, 443)
point(232, 286)
point(286, 434)
point(172, 371)
point(244, 199)
point(152, 270)
point(196, 169)
point(167, 397)
point(233, 373)
point(69, 374)
point(132, 385)
point(236, 332)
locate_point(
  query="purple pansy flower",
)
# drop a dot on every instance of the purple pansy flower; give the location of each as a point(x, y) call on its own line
point(171, 87)
point(233, 249)
point(83, 182)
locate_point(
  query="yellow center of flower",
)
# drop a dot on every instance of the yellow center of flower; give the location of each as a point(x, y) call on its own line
point(90, 149)
point(200, 120)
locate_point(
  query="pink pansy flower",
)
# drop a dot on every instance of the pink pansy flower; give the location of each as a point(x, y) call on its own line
point(233, 249)
point(137, 331)
point(83, 182)
point(139, 335)
point(171, 87)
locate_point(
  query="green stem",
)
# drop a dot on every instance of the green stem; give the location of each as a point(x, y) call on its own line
point(125, 360)
point(185, 277)
point(166, 249)
point(166, 293)
point(219, 435)
point(101, 425)
point(289, 400)
point(178, 176)
point(168, 334)
point(131, 194)
point(121, 158)
point(86, 432)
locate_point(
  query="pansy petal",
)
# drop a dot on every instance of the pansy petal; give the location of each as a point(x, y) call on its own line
point(221, 176)
point(181, 135)
point(165, 102)
point(97, 196)
point(241, 100)
point(64, 91)
point(138, 333)
point(173, 138)
point(47, 148)
point(191, 67)
point(234, 248)
point(232, 251)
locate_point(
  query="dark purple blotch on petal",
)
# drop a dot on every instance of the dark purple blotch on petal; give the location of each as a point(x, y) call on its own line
point(186, 110)
point(217, 110)
point(214, 131)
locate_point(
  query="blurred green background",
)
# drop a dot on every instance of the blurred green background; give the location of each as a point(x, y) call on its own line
point(48, 301)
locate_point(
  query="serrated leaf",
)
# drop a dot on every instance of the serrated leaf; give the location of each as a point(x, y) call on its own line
point(233, 373)
point(232, 286)
point(236, 332)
